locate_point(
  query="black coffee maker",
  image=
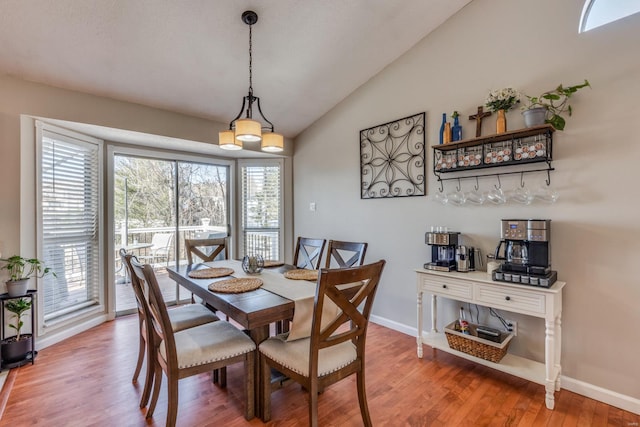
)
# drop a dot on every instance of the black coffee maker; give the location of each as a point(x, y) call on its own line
point(526, 252)
point(443, 250)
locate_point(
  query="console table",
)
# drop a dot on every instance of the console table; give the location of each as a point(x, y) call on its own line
point(478, 288)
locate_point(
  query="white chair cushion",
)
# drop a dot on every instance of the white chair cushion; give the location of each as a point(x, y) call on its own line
point(190, 315)
point(209, 343)
point(295, 355)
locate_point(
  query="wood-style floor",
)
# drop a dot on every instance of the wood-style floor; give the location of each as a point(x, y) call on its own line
point(86, 381)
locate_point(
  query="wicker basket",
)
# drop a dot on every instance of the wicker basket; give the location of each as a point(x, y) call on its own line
point(478, 347)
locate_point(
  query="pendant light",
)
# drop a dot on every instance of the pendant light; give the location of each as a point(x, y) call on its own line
point(247, 129)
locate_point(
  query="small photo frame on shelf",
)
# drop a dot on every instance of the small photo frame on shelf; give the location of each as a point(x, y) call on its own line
point(392, 159)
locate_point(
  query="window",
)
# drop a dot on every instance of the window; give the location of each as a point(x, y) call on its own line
point(69, 207)
point(262, 207)
point(600, 12)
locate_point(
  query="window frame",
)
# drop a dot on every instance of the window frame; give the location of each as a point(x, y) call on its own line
point(81, 314)
point(281, 221)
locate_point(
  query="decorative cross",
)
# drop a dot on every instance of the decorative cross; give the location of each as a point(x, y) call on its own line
point(478, 118)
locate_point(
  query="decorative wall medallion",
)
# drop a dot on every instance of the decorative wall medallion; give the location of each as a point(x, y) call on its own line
point(392, 159)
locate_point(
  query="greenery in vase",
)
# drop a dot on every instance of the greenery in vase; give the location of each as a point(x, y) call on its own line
point(24, 268)
point(503, 99)
point(556, 103)
point(18, 307)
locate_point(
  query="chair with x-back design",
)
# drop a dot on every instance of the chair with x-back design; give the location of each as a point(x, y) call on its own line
point(206, 249)
point(308, 253)
point(336, 347)
point(345, 254)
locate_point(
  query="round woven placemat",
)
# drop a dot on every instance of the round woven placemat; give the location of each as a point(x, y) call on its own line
point(301, 274)
point(235, 286)
point(272, 263)
point(211, 273)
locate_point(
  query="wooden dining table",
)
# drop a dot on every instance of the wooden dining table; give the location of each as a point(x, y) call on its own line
point(254, 310)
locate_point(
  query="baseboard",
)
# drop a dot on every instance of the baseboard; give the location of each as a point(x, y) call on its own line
point(591, 391)
point(601, 394)
point(7, 385)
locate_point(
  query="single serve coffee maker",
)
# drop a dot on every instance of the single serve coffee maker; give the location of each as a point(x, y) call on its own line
point(443, 250)
point(526, 252)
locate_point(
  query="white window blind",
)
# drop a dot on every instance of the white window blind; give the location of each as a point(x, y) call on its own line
point(69, 219)
point(262, 209)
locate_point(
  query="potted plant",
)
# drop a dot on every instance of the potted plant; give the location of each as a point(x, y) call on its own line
point(20, 271)
point(16, 348)
point(550, 105)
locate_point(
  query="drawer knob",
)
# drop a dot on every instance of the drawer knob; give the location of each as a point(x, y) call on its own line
point(444, 286)
point(508, 298)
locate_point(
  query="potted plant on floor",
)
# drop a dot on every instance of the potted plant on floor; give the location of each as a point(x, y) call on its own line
point(20, 271)
point(550, 105)
point(16, 348)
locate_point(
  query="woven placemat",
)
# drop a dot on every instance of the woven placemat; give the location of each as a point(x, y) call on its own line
point(272, 263)
point(235, 286)
point(211, 273)
point(301, 274)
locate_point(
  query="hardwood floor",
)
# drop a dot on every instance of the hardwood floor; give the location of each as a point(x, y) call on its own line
point(86, 381)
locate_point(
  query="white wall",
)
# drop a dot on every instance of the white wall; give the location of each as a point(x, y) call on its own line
point(490, 44)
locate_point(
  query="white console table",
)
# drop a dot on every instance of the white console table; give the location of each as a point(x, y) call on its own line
point(478, 288)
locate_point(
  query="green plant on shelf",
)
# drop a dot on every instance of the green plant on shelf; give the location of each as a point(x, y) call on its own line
point(556, 102)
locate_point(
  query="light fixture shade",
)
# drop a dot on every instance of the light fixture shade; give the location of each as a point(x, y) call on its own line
point(248, 130)
point(227, 141)
point(272, 142)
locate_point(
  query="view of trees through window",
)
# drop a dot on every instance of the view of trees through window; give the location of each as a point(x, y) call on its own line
point(144, 193)
point(159, 203)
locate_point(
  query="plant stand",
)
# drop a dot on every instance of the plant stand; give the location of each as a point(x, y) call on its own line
point(31, 355)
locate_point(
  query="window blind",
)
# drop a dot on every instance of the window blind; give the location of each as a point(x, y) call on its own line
point(70, 205)
point(262, 209)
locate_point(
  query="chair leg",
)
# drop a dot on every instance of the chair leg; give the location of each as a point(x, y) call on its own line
point(265, 388)
point(148, 382)
point(313, 403)
point(142, 348)
point(172, 405)
point(157, 380)
point(362, 398)
point(223, 377)
point(250, 370)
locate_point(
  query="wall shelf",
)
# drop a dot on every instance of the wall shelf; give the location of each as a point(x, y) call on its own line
point(525, 149)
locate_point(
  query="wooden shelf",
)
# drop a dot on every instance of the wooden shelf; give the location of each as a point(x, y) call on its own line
point(516, 148)
point(511, 364)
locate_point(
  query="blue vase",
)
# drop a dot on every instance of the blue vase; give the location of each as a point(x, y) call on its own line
point(444, 120)
point(456, 130)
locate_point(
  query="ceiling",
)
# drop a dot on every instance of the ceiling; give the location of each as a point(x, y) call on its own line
point(192, 56)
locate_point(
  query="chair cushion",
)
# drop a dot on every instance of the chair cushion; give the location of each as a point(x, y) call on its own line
point(295, 355)
point(209, 343)
point(190, 315)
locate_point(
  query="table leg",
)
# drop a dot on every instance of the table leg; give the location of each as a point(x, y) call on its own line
point(419, 337)
point(258, 335)
point(558, 340)
point(549, 362)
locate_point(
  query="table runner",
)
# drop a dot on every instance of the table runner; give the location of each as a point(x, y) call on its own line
point(301, 292)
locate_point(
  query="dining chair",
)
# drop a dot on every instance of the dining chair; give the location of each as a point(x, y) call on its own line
point(337, 251)
point(206, 249)
point(191, 351)
point(181, 317)
point(308, 253)
point(336, 347)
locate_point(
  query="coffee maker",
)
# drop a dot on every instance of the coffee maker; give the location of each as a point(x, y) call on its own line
point(526, 252)
point(443, 250)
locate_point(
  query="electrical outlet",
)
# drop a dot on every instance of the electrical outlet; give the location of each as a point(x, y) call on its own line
point(513, 326)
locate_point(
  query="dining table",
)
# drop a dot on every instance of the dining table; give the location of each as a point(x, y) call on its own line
point(278, 298)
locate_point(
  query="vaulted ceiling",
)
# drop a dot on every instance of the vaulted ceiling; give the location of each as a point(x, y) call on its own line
point(191, 56)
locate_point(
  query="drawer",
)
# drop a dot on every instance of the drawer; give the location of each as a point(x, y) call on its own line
point(507, 298)
point(448, 287)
